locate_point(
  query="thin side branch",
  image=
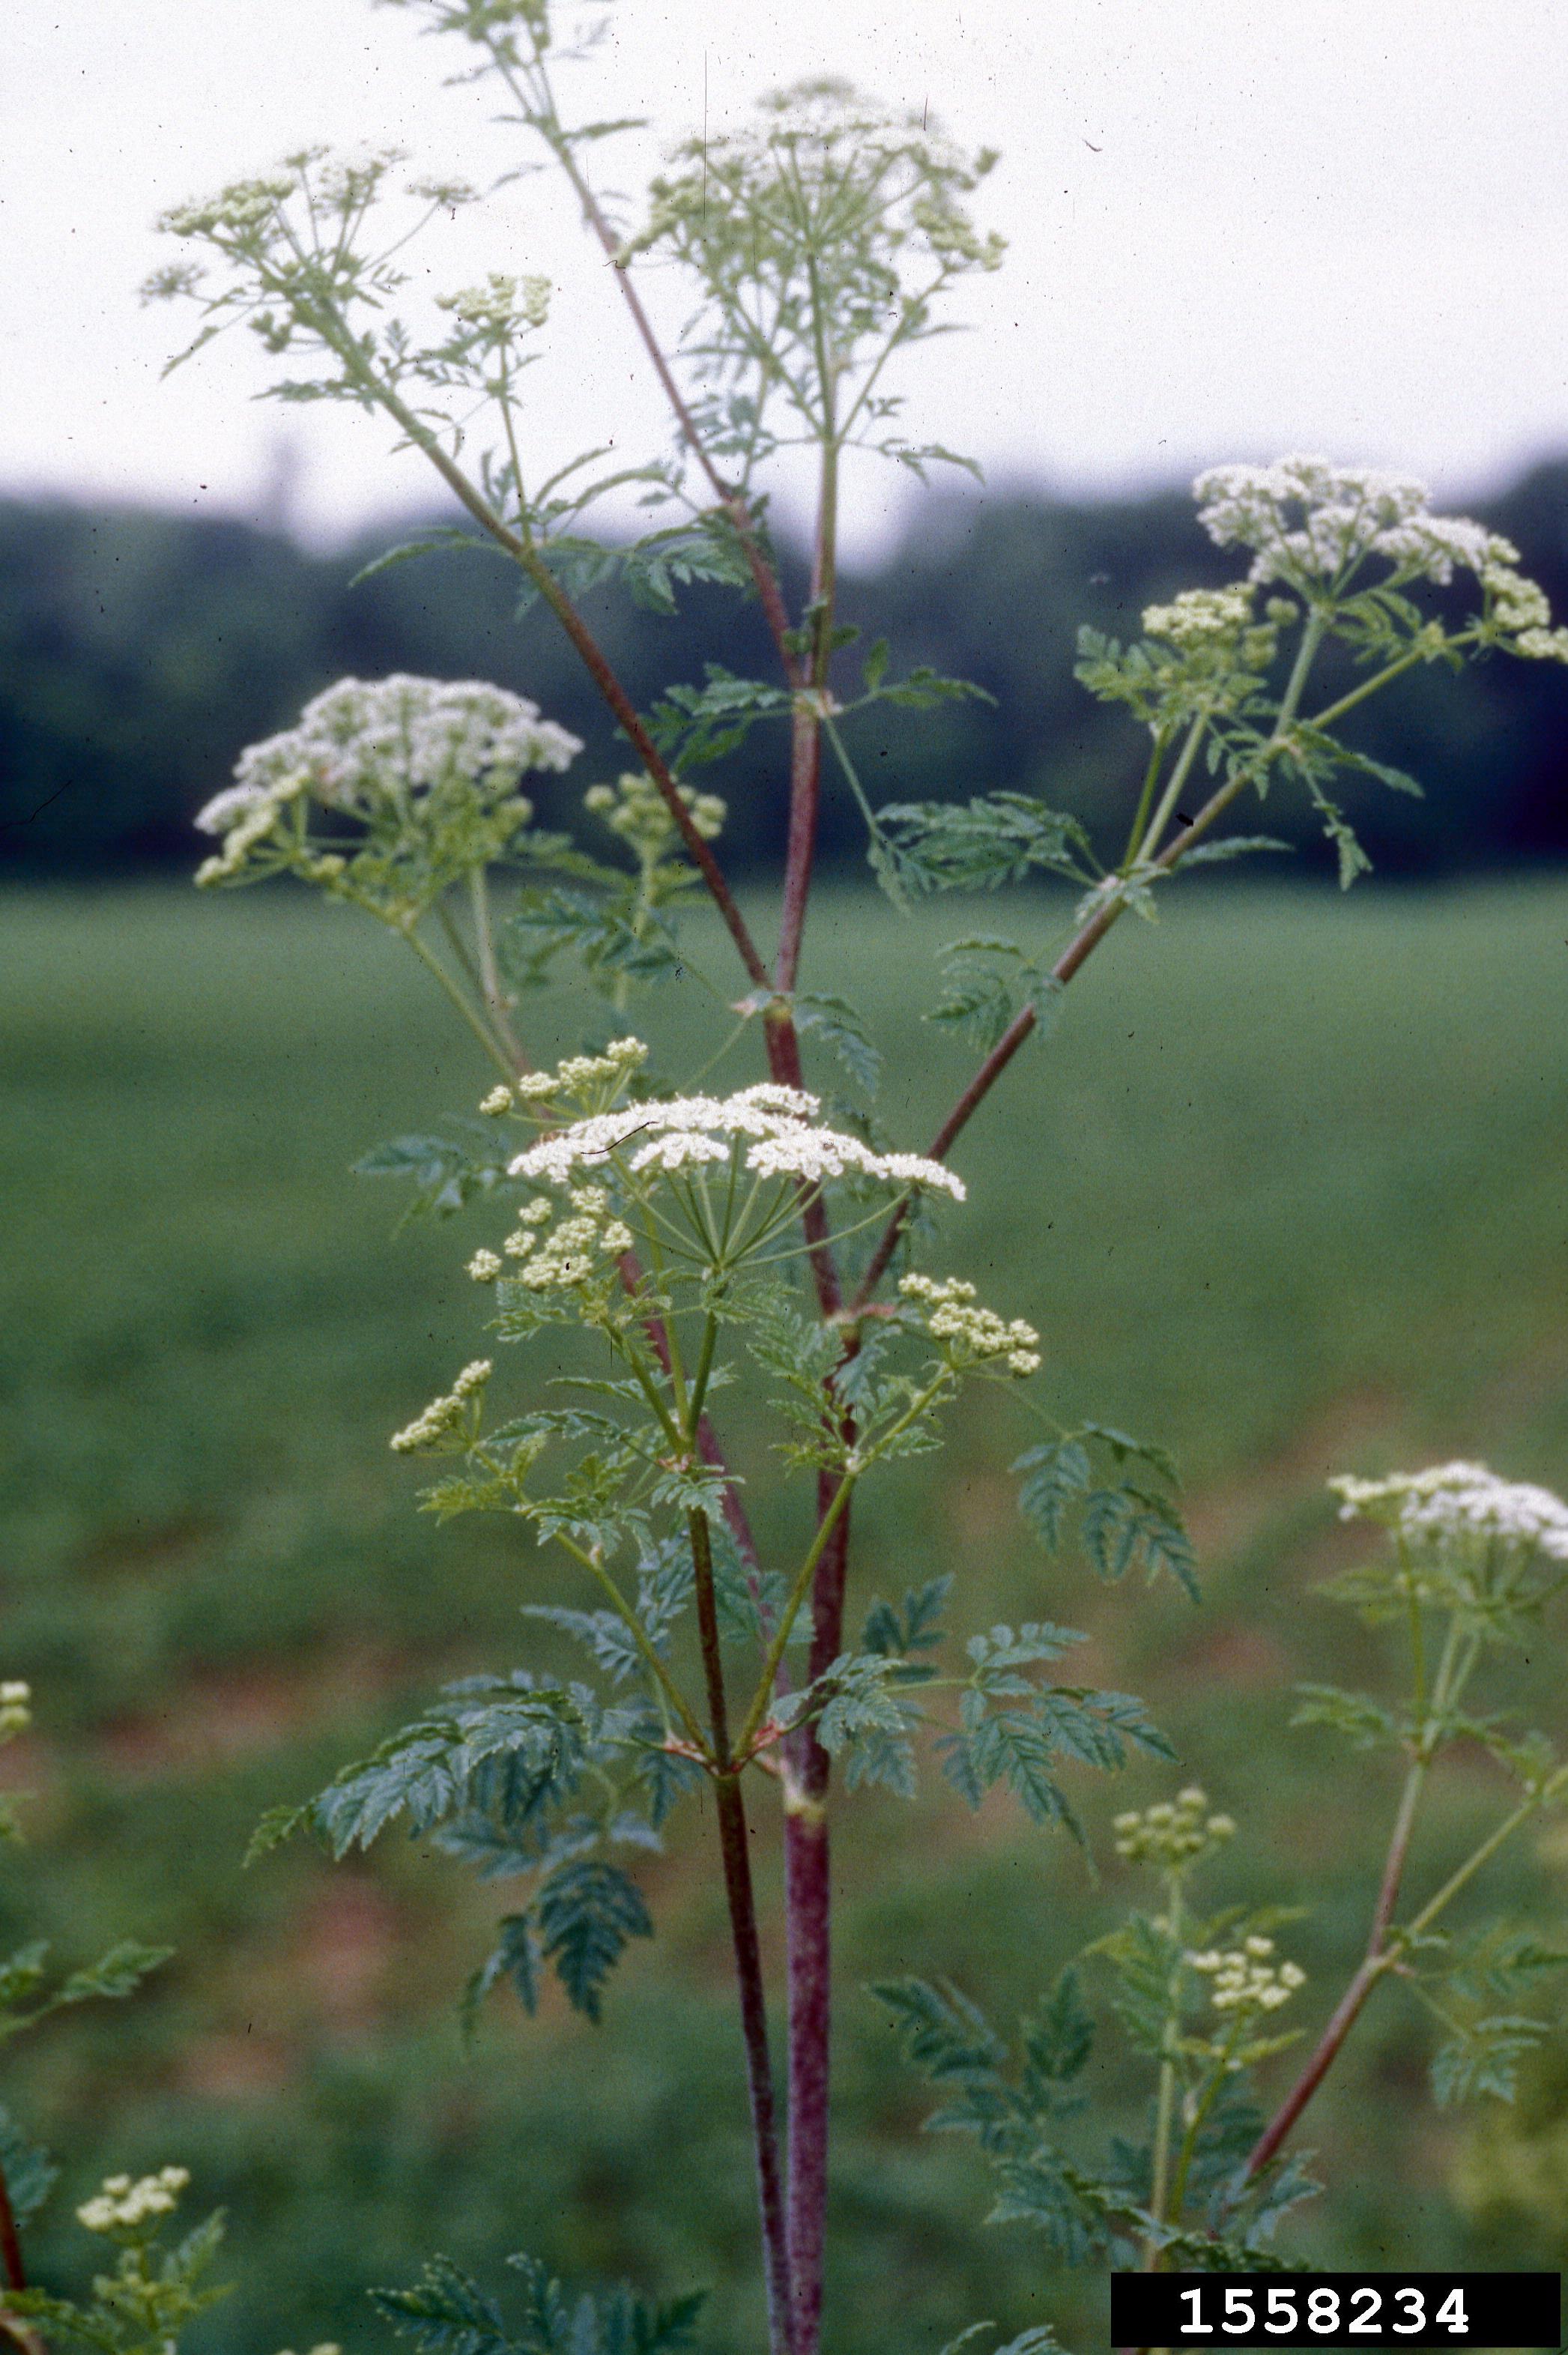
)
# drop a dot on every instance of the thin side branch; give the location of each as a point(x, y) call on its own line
point(762, 572)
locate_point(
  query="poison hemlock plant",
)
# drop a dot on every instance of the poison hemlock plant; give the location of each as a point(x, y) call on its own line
point(754, 1237)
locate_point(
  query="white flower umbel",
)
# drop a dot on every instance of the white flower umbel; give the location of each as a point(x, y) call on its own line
point(365, 741)
point(774, 1129)
point(16, 1707)
point(397, 754)
point(1314, 524)
point(1460, 1502)
point(123, 2205)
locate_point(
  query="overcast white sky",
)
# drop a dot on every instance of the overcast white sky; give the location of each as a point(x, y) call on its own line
point(1238, 226)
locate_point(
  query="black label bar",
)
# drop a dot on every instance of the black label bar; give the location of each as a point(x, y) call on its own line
point(1372, 2311)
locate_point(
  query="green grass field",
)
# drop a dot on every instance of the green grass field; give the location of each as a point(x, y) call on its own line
point(1285, 1191)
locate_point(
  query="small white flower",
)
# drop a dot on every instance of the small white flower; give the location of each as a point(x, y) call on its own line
point(122, 2205)
point(680, 1130)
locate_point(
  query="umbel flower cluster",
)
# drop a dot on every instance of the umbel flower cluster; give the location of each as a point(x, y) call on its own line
point(16, 1707)
point(971, 1335)
point(1173, 1833)
point(571, 1252)
point(123, 2205)
point(1460, 1503)
point(1312, 526)
point(1245, 1978)
point(776, 1129)
point(634, 808)
point(454, 1416)
point(393, 754)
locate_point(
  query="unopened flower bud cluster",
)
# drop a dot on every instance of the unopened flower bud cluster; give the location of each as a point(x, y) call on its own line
point(501, 304)
point(1173, 1832)
point(123, 2204)
point(635, 809)
point(585, 1081)
point(15, 1710)
point(447, 1414)
point(1217, 621)
point(572, 1251)
point(971, 1335)
point(1245, 1977)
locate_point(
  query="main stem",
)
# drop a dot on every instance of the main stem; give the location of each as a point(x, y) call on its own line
point(735, 1849)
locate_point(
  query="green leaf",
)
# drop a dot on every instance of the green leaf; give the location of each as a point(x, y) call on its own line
point(29, 2172)
point(1229, 845)
point(617, 939)
point(1011, 1747)
point(855, 1708)
point(1096, 1727)
point(835, 1021)
point(916, 1627)
point(1059, 2037)
point(445, 1172)
point(515, 1958)
point(1058, 1475)
point(1483, 2057)
point(696, 725)
point(587, 1914)
point(1364, 1721)
point(446, 2313)
point(1128, 1527)
point(114, 1975)
point(940, 2031)
point(424, 1773)
point(978, 846)
point(425, 546)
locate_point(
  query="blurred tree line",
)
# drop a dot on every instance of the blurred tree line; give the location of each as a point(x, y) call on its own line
point(139, 652)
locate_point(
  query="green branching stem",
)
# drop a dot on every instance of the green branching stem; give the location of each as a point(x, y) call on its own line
point(433, 965)
point(495, 997)
point(1200, 2115)
point(1171, 797)
point(1139, 827)
point(801, 1585)
point(635, 1629)
point(1164, 2101)
point(1387, 1944)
